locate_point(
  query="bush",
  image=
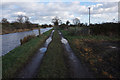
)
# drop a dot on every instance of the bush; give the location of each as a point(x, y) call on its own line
point(108, 29)
point(63, 26)
point(72, 32)
point(77, 31)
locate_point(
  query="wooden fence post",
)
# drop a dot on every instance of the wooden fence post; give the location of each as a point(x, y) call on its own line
point(39, 32)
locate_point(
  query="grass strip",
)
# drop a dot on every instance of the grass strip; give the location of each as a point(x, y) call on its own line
point(16, 59)
point(53, 65)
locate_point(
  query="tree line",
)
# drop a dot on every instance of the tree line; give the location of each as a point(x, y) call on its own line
point(22, 22)
point(108, 28)
point(76, 23)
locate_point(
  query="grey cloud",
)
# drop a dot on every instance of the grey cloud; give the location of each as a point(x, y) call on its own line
point(38, 11)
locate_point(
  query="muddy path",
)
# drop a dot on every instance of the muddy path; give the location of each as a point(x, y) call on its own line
point(31, 68)
point(77, 69)
point(53, 63)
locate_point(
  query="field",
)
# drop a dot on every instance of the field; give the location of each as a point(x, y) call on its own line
point(99, 52)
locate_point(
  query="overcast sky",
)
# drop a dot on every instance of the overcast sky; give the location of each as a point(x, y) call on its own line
point(43, 11)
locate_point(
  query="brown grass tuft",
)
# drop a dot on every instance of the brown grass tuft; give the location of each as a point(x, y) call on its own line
point(26, 39)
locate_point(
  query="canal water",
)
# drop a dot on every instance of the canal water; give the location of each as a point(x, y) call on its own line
point(12, 40)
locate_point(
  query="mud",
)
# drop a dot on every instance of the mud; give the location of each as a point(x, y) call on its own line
point(109, 53)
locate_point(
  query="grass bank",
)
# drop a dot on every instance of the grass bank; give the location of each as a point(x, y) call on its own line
point(53, 65)
point(16, 59)
point(100, 53)
point(10, 30)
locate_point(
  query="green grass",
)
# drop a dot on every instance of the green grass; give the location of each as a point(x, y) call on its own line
point(15, 60)
point(77, 28)
point(53, 65)
point(90, 37)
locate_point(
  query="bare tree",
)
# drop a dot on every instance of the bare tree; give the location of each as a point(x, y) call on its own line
point(76, 21)
point(23, 21)
point(20, 18)
point(27, 22)
point(56, 21)
point(26, 19)
point(4, 20)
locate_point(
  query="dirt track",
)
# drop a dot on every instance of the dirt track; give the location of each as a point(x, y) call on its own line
point(77, 70)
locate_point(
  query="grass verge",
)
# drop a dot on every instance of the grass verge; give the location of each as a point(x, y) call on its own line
point(53, 65)
point(68, 35)
point(16, 59)
point(97, 53)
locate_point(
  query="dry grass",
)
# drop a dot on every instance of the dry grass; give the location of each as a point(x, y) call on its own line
point(95, 53)
point(8, 30)
point(26, 39)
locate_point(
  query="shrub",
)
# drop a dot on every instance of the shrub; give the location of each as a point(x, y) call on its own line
point(63, 26)
point(79, 31)
point(108, 29)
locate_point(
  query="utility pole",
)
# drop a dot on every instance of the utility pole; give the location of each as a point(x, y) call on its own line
point(89, 22)
point(89, 16)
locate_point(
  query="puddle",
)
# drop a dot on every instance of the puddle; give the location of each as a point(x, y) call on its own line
point(31, 68)
point(43, 50)
point(53, 31)
point(48, 40)
point(112, 47)
point(59, 32)
point(64, 41)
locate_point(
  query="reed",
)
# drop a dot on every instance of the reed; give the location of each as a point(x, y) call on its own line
point(26, 39)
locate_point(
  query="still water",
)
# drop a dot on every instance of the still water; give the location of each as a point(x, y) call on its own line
point(12, 40)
